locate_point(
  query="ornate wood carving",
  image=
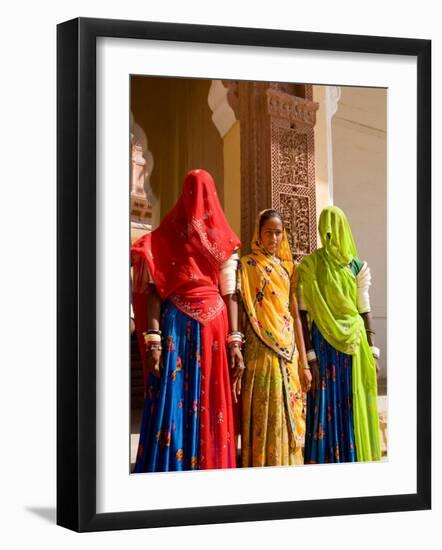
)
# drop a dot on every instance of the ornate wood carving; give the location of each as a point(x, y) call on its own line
point(299, 112)
point(277, 161)
point(293, 167)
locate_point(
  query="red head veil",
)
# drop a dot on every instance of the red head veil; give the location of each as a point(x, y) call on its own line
point(186, 251)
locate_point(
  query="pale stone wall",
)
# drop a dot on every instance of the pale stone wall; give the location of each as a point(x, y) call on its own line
point(322, 147)
point(327, 97)
point(360, 187)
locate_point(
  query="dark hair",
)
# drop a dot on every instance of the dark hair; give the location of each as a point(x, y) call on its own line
point(267, 214)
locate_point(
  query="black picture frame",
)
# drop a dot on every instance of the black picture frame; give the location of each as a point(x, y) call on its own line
point(76, 273)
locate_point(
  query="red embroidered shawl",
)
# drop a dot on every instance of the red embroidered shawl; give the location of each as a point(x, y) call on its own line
point(185, 253)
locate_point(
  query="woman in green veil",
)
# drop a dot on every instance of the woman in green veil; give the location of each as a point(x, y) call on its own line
point(342, 415)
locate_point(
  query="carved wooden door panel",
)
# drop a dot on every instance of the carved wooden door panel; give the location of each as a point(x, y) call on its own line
point(278, 159)
point(293, 167)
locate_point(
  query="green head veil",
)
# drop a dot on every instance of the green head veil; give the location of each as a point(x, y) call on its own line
point(329, 290)
point(336, 236)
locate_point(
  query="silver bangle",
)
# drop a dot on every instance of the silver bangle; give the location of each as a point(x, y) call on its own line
point(376, 352)
point(311, 355)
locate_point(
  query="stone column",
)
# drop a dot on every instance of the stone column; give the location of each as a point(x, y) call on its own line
point(256, 173)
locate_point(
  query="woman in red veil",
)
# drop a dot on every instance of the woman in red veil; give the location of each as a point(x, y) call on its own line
point(184, 299)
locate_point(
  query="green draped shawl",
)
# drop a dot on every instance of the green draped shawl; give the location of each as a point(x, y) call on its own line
point(329, 290)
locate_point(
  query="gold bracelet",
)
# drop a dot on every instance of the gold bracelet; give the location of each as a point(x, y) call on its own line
point(306, 367)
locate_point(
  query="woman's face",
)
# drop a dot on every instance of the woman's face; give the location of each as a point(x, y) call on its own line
point(271, 234)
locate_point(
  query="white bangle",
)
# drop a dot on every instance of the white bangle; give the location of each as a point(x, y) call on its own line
point(235, 336)
point(376, 352)
point(311, 355)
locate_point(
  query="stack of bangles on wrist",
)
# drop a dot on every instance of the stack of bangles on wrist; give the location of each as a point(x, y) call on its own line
point(376, 352)
point(235, 339)
point(152, 339)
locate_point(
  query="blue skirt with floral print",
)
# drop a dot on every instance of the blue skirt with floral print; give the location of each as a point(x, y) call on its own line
point(169, 434)
point(329, 428)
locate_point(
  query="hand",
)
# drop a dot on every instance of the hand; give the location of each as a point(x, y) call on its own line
point(236, 362)
point(236, 382)
point(132, 326)
point(153, 360)
point(234, 355)
point(314, 369)
point(306, 379)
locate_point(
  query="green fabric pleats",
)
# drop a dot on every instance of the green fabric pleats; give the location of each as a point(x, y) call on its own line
point(365, 406)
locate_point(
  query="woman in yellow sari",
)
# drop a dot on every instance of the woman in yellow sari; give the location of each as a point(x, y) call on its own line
point(276, 368)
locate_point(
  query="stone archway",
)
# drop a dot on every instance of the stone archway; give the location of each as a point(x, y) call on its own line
point(142, 198)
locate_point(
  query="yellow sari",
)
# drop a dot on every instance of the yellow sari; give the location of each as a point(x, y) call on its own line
point(272, 420)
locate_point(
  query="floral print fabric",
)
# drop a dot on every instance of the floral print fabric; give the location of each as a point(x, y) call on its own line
point(188, 419)
point(330, 430)
point(265, 288)
point(169, 434)
point(273, 422)
point(217, 426)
